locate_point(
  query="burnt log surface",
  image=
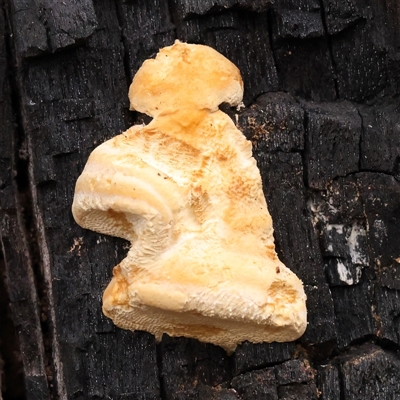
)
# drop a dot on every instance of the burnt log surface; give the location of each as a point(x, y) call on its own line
point(322, 85)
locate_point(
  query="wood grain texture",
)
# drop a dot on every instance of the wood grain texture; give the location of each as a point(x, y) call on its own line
point(47, 26)
point(20, 285)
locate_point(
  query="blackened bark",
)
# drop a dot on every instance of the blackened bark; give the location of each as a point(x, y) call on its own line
point(322, 80)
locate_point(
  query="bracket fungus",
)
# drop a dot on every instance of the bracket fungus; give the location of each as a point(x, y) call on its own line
point(187, 193)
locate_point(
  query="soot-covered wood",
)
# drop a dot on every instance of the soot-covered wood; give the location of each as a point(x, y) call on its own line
point(322, 81)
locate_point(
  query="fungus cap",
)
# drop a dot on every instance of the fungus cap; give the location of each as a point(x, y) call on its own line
point(186, 192)
point(184, 76)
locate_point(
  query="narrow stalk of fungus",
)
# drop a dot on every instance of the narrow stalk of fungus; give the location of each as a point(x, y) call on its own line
point(186, 191)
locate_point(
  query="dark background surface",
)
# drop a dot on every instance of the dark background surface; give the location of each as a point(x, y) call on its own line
point(322, 84)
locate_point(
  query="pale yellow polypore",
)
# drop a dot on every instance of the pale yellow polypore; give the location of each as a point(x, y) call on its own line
point(186, 191)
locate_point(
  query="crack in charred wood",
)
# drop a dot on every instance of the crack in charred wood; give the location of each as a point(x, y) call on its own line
point(270, 36)
point(172, 16)
point(163, 388)
point(329, 43)
point(11, 366)
point(14, 292)
point(40, 253)
point(303, 153)
point(341, 384)
point(27, 224)
point(125, 45)
point(360, 147)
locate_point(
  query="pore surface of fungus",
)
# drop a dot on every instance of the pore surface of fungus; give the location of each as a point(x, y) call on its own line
point(186, 192)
